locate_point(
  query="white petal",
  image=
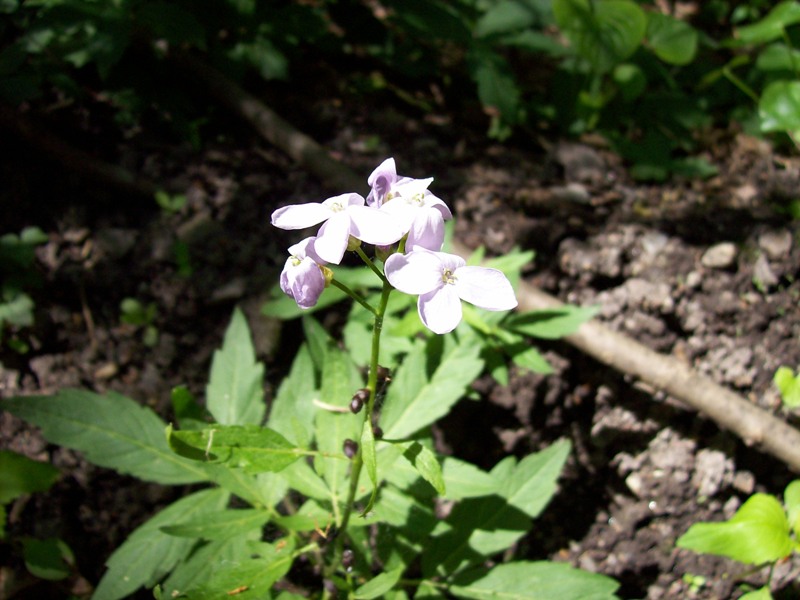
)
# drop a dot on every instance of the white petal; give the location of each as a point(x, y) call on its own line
point(372, 226)
point(427, 230)
point(300, 216)
point(438, 204)
point(440, 310)
point(486, 288)
point(402, 213)
point(342, 201)
point(387, 167)
point(332, 238)
point(415, 272)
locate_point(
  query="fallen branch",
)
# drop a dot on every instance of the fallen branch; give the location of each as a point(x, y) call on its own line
point(729, 410)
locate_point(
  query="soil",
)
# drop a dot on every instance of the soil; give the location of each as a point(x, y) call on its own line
point(705, 270)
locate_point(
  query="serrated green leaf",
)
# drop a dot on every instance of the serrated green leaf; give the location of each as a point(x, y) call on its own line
point(195, 570)
point(148, 554)
point(250, 448)
point(234, 395)
point(603, 33)
point(425, 463)
point(221, 525)
point(758, 533)
point(20, 475)
point(251, 577)
point(674, 41)
point(550, 324)
point(378, 585)
point(789, 385)
point(112, 431)
point(465, 480)
point(413, 403)
point(539, 580)
point(772, 26)
point(779, 106)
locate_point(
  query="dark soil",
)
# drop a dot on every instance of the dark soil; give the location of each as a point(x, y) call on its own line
point(704, 270)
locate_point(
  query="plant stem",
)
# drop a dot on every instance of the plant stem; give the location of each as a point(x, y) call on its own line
point(372, 385)
point(354, 296)
point(746, 89)
point(370, 264)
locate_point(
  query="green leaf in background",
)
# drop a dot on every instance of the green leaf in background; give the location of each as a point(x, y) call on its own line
point(779, 106)
point(234, 395)
point(630, 80)
point(550, 324)
point(674, 41)
point(506, 16)
point(758, 533)
point(759, 594)
point(497, 87)
point(221, 525)
point(112, 431)
point(16, 308)
point(49, 559)
point(604, 32)
point(778, 57)
point(539, 580)
point(172, 23)
point(465, 480)
point(772, 26)
point(789, 385)
point(412, 402)
point(20, 475)
point(791, 500)
point(149, 554)
point(425, 463)
point(250, 448)
point(378, 585)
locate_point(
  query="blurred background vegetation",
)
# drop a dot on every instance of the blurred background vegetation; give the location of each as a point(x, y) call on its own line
point(653, 78)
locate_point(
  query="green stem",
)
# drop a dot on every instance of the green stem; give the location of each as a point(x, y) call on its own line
point(354, 296)
point(370, 264)
point(372, 385)
point(740, 84)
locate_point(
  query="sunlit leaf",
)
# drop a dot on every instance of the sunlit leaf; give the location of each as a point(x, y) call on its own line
point(234, 395)
point(378, 585)
point(221, 525)
point(540, 580)
point(550, 324)
point(772, 26)
point(789, 386)
point(112, 431)
point(758, 533)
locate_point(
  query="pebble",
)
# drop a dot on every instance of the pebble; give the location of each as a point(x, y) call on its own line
point(763, 275)
point(719, 256)
point(776, 244)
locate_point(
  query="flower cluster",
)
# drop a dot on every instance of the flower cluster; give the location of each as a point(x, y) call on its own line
point(397, 209)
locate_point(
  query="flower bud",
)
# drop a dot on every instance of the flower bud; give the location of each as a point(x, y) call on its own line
point(384, 252)
point(353, 243)
point(350, 448)
point(384, 374)
point(377, 432)
point(327, 274)
point(356, 404)
point(348, 559)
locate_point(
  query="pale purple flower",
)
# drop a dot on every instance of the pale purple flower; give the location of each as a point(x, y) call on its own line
point(302, 277)
point(418, 212)
point(342, 216)
point(380, 182)
point(442, 281)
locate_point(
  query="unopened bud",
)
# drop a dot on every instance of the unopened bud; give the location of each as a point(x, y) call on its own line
point(359, 399)
point(327, 274)
point(384, 374)
point(350, 448)
point(377, 432)
point(353, 243)
point(348, 559)
point(384, 252)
